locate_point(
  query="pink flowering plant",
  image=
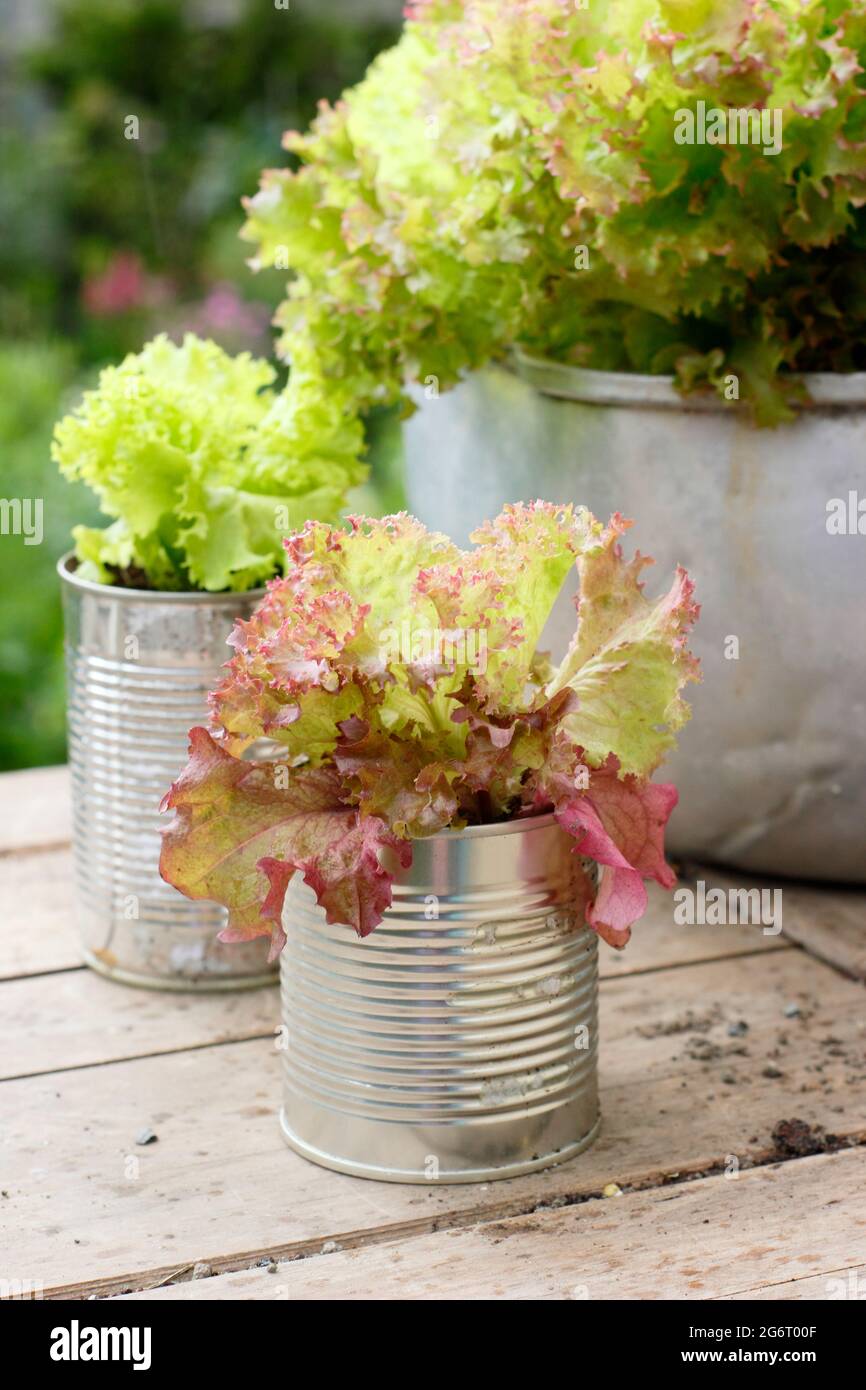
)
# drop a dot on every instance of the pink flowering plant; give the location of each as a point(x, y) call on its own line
point(402, 679)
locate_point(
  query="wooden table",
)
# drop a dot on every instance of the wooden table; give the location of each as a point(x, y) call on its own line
point(711, 1199)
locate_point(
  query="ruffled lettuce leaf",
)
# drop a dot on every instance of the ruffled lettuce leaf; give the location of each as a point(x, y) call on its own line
point(528, 552)
point(238, 837)
point(398, 677)
point(616, 820)
point(628, 661)
point(394, 619)
point(187, 448)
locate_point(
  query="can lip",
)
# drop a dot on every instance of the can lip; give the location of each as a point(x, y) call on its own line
point(196, 596)
point(500, 827)
point(842, 390)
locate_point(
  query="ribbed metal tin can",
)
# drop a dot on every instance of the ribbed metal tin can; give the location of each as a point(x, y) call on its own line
point(458, 1042)
point(139, 667)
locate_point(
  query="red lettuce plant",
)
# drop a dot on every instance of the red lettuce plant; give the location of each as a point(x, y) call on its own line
point(401, 677)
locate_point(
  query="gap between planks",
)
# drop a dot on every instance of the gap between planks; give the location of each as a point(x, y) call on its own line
point(723, 1238)
point(852, 1279)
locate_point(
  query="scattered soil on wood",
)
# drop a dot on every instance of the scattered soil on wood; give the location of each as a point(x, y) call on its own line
point(689, 1022)
point(797, 1139)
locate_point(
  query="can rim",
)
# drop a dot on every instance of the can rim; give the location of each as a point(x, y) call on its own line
point(500, 827)
point(842, 390)
point(195, 596)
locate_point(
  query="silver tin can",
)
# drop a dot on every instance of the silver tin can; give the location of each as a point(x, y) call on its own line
point(139, 667)
point(458, 1042)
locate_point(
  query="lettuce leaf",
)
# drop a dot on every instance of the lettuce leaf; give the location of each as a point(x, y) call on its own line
point(401, 679)
point(187, 448)
point(236, 832)
point(628, 661)
point(617, 821)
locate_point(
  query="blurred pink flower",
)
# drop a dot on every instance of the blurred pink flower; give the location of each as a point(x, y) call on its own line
point(224, 314)
point(124, 285)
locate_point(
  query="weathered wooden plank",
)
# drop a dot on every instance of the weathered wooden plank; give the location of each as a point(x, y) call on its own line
point(37, 930)
point(34, 809)
point(79, 1019)
point(34, 813)
point(220, 1186)
point(706, 1239)
point(831, 924)
point(842, 1283)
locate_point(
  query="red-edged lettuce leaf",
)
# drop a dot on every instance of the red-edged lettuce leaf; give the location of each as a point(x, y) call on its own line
point(397, 780)
point(628, 662)
point(390, 623)
point(620, 823)
point(238, 836)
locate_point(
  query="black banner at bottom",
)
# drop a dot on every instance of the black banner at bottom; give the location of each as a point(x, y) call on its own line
point(205, 1339)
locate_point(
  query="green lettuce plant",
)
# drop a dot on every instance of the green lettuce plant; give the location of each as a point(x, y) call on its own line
point(518, 173)
point(400, 678)
point(193, 453)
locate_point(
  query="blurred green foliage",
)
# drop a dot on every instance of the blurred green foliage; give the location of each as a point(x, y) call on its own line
point(34, 384)
point(107, 240)
point(211, 97)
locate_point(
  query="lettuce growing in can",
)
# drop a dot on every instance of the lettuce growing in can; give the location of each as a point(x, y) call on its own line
point(401, 678)
point(549, 175)
point(189, 449)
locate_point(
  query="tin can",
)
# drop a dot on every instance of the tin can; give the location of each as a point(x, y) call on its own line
point(139, 666)
point(458, 1042)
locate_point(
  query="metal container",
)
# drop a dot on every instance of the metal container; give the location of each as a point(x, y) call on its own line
point(139, 667)
point(772, 769)
point(458, 1042)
